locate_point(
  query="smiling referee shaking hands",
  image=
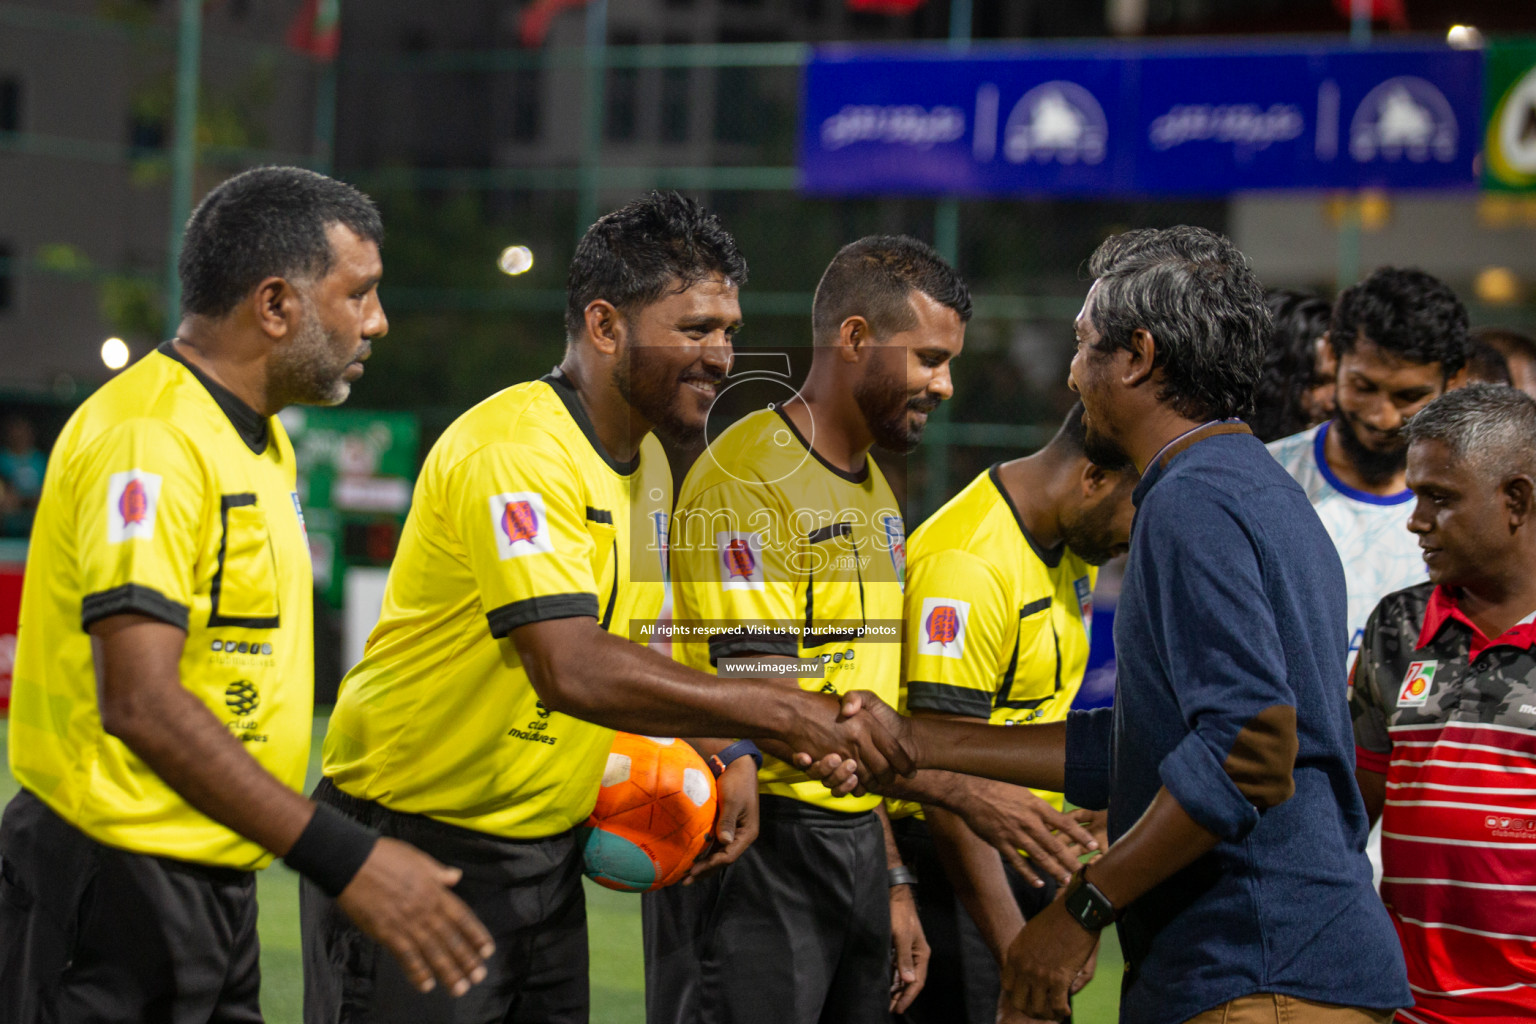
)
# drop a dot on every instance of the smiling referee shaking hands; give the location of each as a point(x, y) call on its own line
point(479, 721)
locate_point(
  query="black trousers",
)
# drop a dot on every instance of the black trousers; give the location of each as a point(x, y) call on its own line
point(963, 979)
point(797, 931)
point(91, 933)
point(528, 895)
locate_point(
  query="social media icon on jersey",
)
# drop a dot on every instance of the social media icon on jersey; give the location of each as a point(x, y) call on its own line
point(520, 526)
point(943, 627)
point(133, 498)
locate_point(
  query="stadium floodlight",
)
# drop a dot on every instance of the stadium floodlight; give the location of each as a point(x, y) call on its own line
point(114, 352)
point(515, 259)
point(1464, 37)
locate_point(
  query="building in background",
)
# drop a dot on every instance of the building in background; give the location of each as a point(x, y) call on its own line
point(86, 101)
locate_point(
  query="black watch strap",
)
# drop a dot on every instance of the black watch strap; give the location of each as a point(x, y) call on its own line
point(1088, 906)
point(718, 763)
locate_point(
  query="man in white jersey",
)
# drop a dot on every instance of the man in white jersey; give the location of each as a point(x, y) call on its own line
point(1399, 336)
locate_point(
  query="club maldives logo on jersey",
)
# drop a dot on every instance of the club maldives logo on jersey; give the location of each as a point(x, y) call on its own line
point(132, 501)
point(943, 627)
point(1419, 680)
point(741, 560)
point(520, 525)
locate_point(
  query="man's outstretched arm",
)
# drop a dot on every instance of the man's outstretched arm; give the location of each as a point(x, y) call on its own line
point(395, 893)
point(581, 670)
point(1033, 756)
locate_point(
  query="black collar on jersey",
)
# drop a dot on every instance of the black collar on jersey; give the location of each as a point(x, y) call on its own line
point(562, 386)
point(1051, 558)
point(248, 423)
point(853, 478)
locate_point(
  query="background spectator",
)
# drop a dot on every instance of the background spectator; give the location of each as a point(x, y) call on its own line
point(21, 475)
point(1485, 365)
point(1519, 352)
point(1296, 386)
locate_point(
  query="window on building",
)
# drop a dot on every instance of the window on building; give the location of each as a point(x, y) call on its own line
point(146, 134)
point(623, 101)
point(10, 104)
point(675, 86)
point(7, 276)
point(527, 104)
point(736, 106)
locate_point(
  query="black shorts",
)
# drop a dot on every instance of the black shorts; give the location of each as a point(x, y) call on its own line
point(963, 979)
point(93, 933)
point(797, 931)
point(528, 895)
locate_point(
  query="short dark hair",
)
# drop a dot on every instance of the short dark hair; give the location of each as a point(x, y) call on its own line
point(266, 222)
point(875, 277)
point(1414, 316)
point(1289, 363)
point(634, 255)
point(1486, 364)
point(1197, 296)
point(1509, 344)
point(1489, 425)
point(1072, 436)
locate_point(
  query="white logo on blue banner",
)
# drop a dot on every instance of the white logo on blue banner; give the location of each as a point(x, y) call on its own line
point(1056, 122)
point(1403, 118)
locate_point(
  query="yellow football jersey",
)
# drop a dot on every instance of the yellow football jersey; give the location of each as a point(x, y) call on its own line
point(996, 628)
point(774, 551)
point(518, 517)
point(168, 497)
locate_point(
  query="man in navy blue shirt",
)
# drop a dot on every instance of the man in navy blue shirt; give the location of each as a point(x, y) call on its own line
point(1236, 869)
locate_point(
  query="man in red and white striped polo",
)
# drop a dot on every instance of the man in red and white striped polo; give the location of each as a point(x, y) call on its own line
point(1443, 696)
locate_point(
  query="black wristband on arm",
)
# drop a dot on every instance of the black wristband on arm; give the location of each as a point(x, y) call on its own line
point(331, 850)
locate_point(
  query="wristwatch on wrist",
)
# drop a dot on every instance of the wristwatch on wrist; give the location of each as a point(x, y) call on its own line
point(902, 875)
point(718, 763)
point(1087, 905)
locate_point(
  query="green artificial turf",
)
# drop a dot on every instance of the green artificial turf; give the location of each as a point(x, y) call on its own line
point(613, 920)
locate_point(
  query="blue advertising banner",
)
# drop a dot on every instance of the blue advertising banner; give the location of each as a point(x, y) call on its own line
point(1130, 120)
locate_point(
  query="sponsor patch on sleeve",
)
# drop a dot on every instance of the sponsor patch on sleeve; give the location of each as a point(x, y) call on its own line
point(1084, 592)
point(133, 498)
point(1417, 683)
point(942, 630)
point(896, 538)
point(741, 560)
point(519, 524)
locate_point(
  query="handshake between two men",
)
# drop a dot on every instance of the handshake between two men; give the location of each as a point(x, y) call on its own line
point(979, 773)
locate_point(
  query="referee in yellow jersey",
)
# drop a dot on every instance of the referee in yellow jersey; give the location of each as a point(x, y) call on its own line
point(478, 723)
point(164, 684)
point(788, 543)
point(999, 612)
